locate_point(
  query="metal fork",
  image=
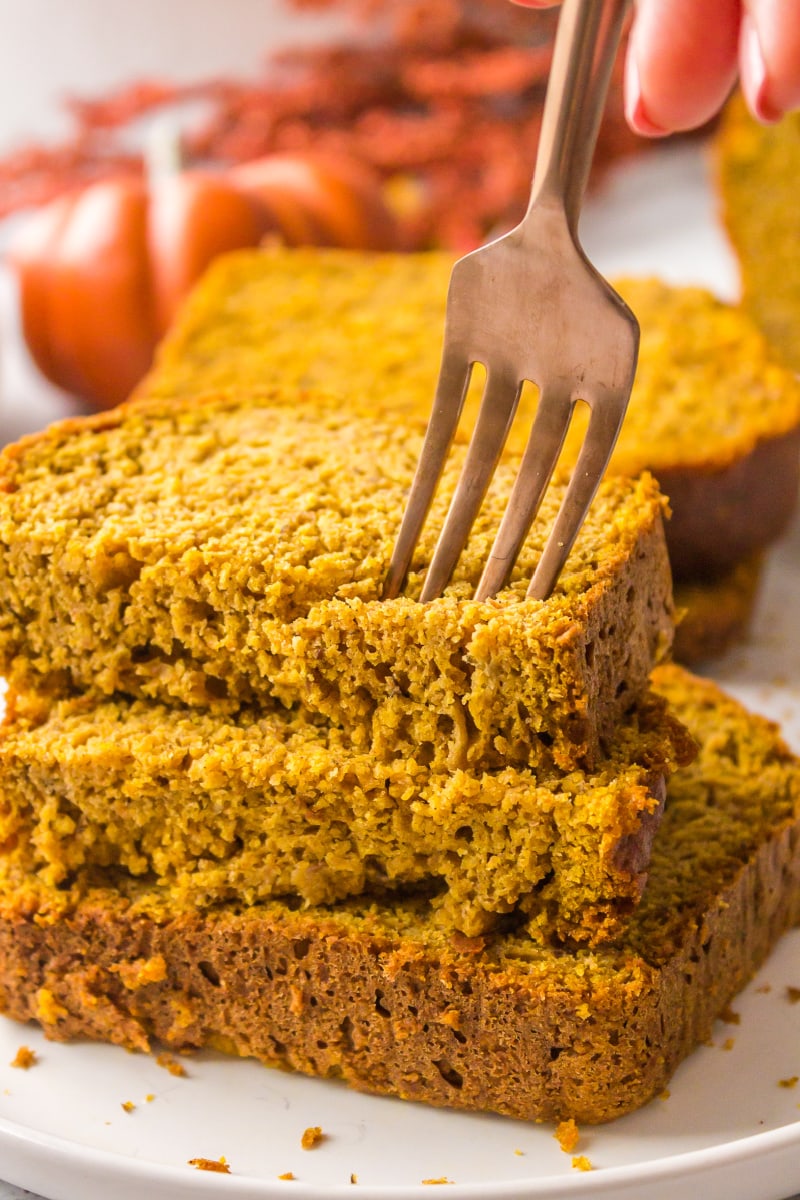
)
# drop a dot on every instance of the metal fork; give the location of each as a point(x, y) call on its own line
point(530, 306)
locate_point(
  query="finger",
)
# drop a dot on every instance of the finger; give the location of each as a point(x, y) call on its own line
point(769, 56)
point(681, 63)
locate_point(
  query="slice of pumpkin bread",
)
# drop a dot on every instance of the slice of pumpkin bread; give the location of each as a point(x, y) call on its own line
point(712, 414)
point(716, 419)
point(757, 168)
point(380, 995)
point(366, 327)
point(232, 550)
point(251, 807)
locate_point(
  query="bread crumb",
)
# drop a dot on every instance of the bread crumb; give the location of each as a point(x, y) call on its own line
point(729, 1043)
point(451, 1017)
point(287, 1175)
point(25, 1058)
point(220, 1165)
point(764, 989)
point(581, 1163)
point(128, 1106)
point(790, 1082)
point(567, 1135)
point(793, 994)
point(312, 1137)
point(138, 972)
point(665, 1095)
point(730, 1017)
point(468, 945)
point(520, 1153)
point(48, 1009)
point(149, 1098)
point(171, 1064)
point(353, 1177)
point(442, 1179)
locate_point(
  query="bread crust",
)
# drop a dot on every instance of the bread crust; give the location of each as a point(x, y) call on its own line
point(721, 517)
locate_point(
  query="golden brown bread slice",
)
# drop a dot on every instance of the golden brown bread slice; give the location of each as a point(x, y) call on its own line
point(255, 806)
point(757, 168)
point(232, 550)
point(378, 994)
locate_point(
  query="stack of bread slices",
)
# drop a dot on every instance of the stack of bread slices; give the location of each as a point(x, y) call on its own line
point(495, 855)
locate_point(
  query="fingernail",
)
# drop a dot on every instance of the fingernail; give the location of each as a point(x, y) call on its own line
point(753, 72)
point(635, 111)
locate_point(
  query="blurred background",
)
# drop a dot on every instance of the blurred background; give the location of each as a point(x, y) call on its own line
point(54, 54)
point(370, 124)
point(85, 48)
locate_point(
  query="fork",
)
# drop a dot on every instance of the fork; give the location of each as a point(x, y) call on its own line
point(530, 306)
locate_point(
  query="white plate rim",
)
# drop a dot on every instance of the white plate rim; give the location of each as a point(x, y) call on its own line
point(58, 1153)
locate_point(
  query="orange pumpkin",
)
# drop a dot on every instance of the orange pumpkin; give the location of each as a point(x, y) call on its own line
point(102, 271)
point(317, 201)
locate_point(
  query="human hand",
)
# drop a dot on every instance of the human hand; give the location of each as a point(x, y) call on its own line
point(684, 55)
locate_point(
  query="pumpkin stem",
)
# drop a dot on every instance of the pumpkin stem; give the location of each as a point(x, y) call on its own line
point(163, 152)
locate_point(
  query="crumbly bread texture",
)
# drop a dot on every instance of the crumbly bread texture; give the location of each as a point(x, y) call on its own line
point(712, 414)
point(757, 169)
point(232, 551)
point(246, 808)
point(714, 615)
point(381, 996)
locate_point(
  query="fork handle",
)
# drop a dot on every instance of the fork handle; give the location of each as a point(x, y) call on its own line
point(587, 40)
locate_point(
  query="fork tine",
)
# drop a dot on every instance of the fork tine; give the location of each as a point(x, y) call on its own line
point(451, 392)
point(500, 399)
point(592, 461)
point(535, 277)
point(553, 415)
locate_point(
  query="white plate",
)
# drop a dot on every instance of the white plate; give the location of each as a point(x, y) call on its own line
point(727, 1126)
